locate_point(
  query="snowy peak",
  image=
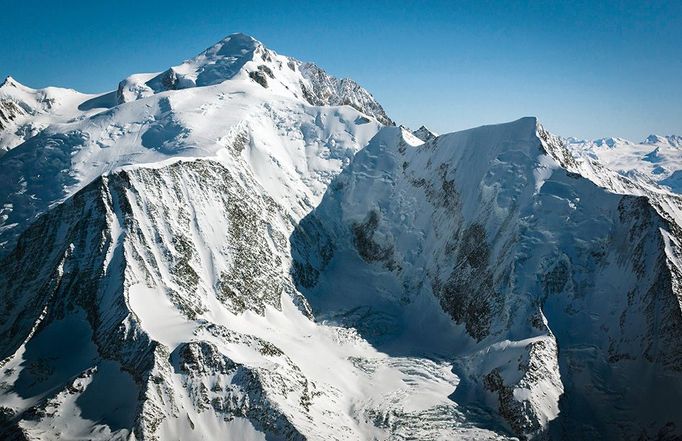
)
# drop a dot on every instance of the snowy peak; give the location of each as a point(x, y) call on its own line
point(25, 111)
point(48, 99)
point(233, 46)
point(493, 136)
point(10, 82)
point(615, 142)
point(670, 140)
point(245, 247)
point(611, 142)
point(653, 163)
point(301, 129)
point(220, 62)
point(245, 60)
point(486, 229)
point(424, 134)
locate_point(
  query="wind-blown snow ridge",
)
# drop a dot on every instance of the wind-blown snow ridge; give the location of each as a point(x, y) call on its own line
point(24, 112)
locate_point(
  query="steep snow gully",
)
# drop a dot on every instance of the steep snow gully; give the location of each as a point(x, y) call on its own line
point(245, 247)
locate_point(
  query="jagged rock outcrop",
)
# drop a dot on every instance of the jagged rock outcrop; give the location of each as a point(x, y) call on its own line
point(319, 88)
point(109, 258)
point(424, 134)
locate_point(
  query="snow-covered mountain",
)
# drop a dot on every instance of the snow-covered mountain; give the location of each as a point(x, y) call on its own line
point(424, 134)
point(656, 159)
point(556, 300)
point(244, 247)
point(293, 147)
point(24, 112)
point(240, 57)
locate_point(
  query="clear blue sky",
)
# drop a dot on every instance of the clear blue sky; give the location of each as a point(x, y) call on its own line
point(585, 68)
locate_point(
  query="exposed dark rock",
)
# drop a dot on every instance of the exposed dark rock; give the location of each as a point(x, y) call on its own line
point(259, 77)
point(367, 247)
point(265, 69)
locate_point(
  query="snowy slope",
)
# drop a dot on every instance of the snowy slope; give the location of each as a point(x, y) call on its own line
point(656, 159)
point(625, 168)
point(161, 305)
point(564, 297)
point(174, 282)
point(24, 112)
point(294, 148)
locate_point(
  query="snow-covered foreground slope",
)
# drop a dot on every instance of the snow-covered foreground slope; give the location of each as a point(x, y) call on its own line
point(181, 259)
point(557, 301)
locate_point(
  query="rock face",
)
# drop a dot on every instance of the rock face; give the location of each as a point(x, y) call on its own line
point(243, 247)
point(114, 256)
point(424, 134)
point(9, 111)
point(554, 284)
point(319, 88)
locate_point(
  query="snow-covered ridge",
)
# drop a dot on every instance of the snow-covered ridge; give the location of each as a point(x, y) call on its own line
point(656, 160)
point(166, 290)
point(241, 56)
point(294, 148)
point(671, 140)
point(532, 263)
point(446, 278)
point(24, 111)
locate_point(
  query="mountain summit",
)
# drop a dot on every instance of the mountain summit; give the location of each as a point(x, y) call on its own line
point(244, 247)
point(241, 56)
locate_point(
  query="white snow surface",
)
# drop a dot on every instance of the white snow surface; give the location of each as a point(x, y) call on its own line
point(24, 112)
point(487, 228)
point(293, 148)
point(657, 159)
